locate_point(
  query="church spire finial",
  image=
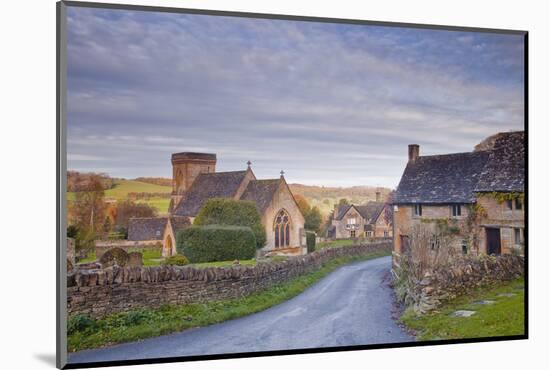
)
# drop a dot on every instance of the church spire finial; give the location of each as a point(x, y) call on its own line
point(248, 163)
point(282, 173)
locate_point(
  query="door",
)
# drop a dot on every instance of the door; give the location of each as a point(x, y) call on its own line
point(493, 241)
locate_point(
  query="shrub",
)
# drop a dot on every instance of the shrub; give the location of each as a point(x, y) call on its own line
point(216, 243)
point(310, 241)
point(114, 255)
point(80, 323)
point(135, 317)
point(176, 260)
point(221, 211)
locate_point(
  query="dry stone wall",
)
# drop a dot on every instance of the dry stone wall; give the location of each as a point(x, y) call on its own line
point(460, 277)
point(100, 292)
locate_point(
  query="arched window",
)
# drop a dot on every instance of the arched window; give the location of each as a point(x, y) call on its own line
point(281, 229)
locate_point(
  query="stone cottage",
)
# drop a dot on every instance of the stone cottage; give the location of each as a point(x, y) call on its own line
point(354, 221)
point(478, 196)
point(157, 231)
point(195, 181)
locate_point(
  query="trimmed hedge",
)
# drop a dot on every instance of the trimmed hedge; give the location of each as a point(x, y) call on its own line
point(310, 241)
point(176, 260)
point(224, 211)
point(216, 243)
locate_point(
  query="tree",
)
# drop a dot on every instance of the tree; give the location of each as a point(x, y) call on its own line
point(343, 202)
point(327, 223)
point(313, 220)
point(388, 212)
point(128, 209)
point(89, 206)
point(231, 212)
point(303, 204)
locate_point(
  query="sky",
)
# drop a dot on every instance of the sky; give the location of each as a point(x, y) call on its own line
point(330, 104)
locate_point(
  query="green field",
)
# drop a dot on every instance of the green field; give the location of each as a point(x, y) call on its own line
point(123, 187)
point(504, 317)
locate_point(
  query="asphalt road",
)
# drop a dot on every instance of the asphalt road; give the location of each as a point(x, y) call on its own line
point(350, 306)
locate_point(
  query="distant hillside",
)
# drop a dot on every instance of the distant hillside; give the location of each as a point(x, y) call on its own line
point(162, 181)
point(326, 197)
point(155, 195)
point(156, 192)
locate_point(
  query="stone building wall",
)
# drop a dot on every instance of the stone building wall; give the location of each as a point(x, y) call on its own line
point(342, 232)
point(101, 292)
point(501, 217)
point(283, 199)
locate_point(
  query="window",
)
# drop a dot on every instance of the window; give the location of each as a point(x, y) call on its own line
point(369, 233)
point(352, 233)
point(351, 221)
point(456, 210)
point(509, 205)
point(519, 204)
point(464, 246)
point(418, 209)
point(386, 234)
point(282, 229)
point(518, 238)
point(434, 243)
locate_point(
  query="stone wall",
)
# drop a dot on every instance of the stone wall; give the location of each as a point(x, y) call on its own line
point(460, 277)
point(101, 292)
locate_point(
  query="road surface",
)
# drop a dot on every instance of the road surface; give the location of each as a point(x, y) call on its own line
point(350, 306)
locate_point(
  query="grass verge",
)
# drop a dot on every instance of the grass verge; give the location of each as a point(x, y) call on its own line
point(130, 326)
point(504, 317)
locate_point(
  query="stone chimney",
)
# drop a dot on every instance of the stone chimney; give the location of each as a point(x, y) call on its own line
point(378, 197)
point(414, 152)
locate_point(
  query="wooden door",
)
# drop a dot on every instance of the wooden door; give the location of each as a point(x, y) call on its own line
point(493, 241)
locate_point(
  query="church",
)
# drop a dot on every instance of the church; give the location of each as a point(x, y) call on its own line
point(195, 181)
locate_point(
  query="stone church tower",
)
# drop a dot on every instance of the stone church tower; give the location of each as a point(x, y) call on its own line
point(186, 167)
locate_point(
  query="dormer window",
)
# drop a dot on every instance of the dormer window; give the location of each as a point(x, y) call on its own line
point(418, 209)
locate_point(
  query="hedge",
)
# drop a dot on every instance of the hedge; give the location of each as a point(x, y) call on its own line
point(216, 243)
point(176, 260)
point(223, 211)
point(310, 241)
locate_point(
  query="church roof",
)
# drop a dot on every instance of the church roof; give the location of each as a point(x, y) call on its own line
point(497, 165)
point(207, 186)
point(179, 222)
point(146, 228)
point(261, 192)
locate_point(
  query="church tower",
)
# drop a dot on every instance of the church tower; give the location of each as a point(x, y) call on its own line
point(186, 166)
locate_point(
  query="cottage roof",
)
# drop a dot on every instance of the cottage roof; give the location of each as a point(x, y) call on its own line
point(505, 169)
point(261, 192)
point(207, 186)
point(146, 228)
point(369, 211)
point(497, 165)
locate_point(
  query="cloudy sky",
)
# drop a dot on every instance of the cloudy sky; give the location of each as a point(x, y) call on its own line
point(331, 104)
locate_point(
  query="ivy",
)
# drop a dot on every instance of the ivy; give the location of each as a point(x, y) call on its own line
point(501, 197)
